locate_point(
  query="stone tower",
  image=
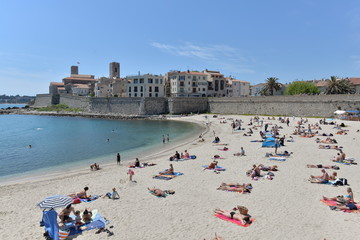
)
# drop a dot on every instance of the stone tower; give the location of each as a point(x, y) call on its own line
point(114, 70)
point(74, 70)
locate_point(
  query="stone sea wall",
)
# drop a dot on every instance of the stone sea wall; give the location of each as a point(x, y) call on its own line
point(317, 105)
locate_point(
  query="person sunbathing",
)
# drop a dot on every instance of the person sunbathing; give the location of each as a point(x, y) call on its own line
point(160, 193)
point(236, 187)
point(242, 216)
point(268, 168)
point(344, 203)
point(212, 165)
point(324, 178)
point(323, 166)
point(81, 194)
point(329, 147)
point(187, 154)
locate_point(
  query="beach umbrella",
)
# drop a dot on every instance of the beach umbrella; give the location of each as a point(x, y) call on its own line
point(55, 201)
point(339, 112)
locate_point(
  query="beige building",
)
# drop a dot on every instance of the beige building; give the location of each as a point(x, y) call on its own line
point(216, 84)
point(146, 85)
point(80, 89)
point(237, 88)
point(187, 84)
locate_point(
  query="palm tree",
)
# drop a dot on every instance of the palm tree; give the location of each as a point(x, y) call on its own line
point(339, 86)
point(271, 85)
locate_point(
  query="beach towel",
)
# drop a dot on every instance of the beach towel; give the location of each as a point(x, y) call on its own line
point(281, 159)
point(90, 199)
point(237, 222)
point(334, 203)
point(218, 168)
point(167, 176)
point(49, 221)
point(158, 196)
point(221, 144)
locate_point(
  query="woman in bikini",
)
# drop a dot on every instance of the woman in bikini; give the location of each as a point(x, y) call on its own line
point(244, 218)
point(347, 204)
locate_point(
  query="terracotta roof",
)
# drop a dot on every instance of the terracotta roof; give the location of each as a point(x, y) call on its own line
point(57, 83)
point(235, 80)
point(61, 88)
point(193, 73)
point(81, 86)
point(81, 79)
point(355, 81)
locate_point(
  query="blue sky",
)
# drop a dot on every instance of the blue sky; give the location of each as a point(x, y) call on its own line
point(250, 40)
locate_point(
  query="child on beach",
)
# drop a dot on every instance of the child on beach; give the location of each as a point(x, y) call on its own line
point(78, 221)
point(131, 174)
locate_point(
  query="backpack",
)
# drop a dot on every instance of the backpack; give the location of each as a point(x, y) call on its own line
point(340, 182)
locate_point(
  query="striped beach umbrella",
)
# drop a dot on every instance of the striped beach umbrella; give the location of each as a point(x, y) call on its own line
point(55, 201)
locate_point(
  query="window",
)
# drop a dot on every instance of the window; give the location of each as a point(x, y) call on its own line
point(203, 89)
point(189, 76)
point(150, 89)
point(150, 95)
point(160, 81)
point(129, 94)
point(182, 84)
point(129, 89)
point(150, 80)
point(141, 89)
point(221, 85)
point(194, 90)
point(141, 80)
point(135, 89)
point(156, 81)
point(135, 95)
point(156, 89)
point(136, 80)
point(216, 85)
point(181, 78)
point(141, 95)
point(156, 95)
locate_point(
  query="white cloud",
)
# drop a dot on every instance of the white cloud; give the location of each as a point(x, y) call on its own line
point(220, 56)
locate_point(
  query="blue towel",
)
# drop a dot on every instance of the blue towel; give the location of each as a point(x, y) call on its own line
point(50, 222)
point(278, 159)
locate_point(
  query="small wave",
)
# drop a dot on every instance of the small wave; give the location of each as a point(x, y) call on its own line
point(39, 129)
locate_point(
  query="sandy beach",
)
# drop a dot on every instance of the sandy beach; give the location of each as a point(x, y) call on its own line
point(287, 207)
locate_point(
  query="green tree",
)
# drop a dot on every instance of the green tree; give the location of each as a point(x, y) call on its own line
point(339, 86)
point(271, 86)
point(300, 87)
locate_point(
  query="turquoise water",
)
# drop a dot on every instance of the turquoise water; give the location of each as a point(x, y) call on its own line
point(3, 106)
point(60, 143)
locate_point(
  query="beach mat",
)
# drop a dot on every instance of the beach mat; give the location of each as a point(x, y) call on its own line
point(334, 203)
point(281, 159)
point(237, 222)
point(167, 176)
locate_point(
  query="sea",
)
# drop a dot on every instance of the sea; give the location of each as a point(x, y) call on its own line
point(5, 105)
point(32, 145)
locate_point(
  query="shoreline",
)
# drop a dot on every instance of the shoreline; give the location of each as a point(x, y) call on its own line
point(82, 169)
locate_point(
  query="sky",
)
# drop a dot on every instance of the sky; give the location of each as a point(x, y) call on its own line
point(249, 40)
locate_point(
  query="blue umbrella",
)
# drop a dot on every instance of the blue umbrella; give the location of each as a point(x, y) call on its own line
point(55, 201)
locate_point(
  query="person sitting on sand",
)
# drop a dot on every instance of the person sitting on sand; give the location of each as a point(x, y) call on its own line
point(255, 172)
point(160, 193)
point(344, 203)
point(169, 171)
point(137, 163)
point(87, 216)
point(225, 149)
point(242, 216)
point(241, 153)
point(187, 154)
point(114, 195)
point(236, 187)
point(94, 167)
point(66, 212)
point(212, 165)
point(324, 178)
point(323, 166)
point(217, 139)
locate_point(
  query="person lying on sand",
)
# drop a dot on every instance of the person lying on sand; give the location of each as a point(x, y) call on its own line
point(329, 147)
point(268, 168)
point(323, 166)
point(343, 203)
point(242, 216)
point(236, 187)
point(327, 140)
point(81, 194)
point(160, 193)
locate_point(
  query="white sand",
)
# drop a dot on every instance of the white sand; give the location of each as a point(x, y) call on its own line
point(287, 207)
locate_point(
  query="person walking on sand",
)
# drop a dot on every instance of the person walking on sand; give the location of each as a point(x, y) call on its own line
point(118, 158)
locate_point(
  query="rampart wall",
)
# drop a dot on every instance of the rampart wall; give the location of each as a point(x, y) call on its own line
point(317, 105)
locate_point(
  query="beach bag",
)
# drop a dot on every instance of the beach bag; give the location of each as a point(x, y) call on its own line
point(193, 157)
point(243, 210)
point(76, 201)
point(340, 182)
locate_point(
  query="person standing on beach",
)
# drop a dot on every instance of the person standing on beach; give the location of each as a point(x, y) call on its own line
point(131, 174)
point(118, 158)
point(168, 138)
point(163, 139)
